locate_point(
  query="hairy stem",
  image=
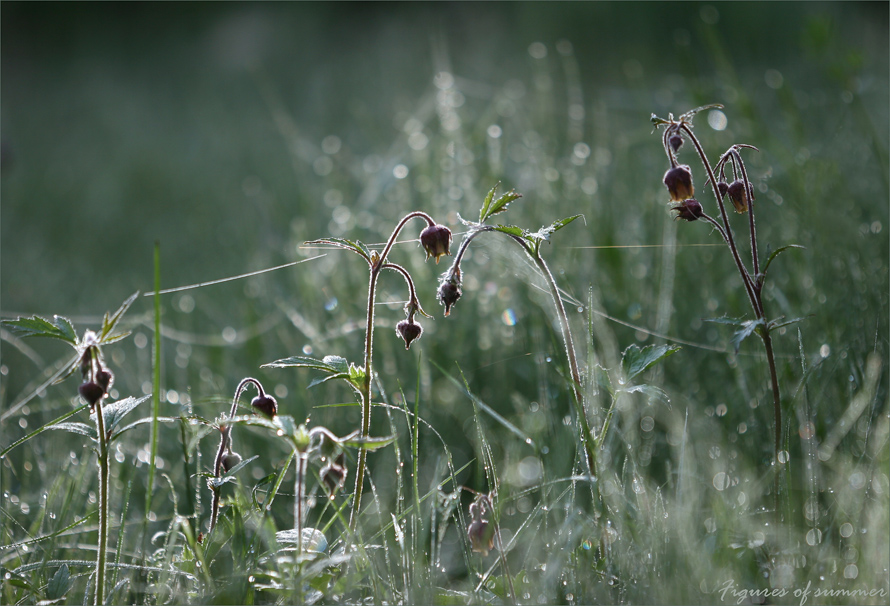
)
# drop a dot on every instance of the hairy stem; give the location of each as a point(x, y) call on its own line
point(369, 349)
point(103, 505)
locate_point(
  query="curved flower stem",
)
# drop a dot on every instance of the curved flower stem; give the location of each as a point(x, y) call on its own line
point(365, 393)
point(223, 444)
point(412, 292)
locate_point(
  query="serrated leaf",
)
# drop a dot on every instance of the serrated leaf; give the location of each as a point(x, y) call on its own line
point(490, 208)
point(337, 363)
point(651, 391)
point(776, 253)
point(81, 428)
point(634, 360)
point(229, 476)
point(36, 326)
point(114, 412)
point(511, 230)
point(300, 362)
point(747, 329)
point(320, 380)
point(557, 225)
point(109, 322)
point(59, 585)
point(355, 246)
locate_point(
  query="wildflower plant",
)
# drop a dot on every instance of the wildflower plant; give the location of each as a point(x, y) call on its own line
point(728, 178)
point(436, 242)
point(97, 381)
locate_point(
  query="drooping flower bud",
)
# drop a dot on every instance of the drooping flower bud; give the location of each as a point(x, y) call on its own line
point(91, 392)
point(266, 405)
point(230, 460)
point(436, 241)
point(688, 210)
point(723, 188)
point(676, 142)
point(105, 379)
point(481, 535)
point(449, 289)
point(334, 475)
point(409, 330)
point(737, 195)
point(678, 180)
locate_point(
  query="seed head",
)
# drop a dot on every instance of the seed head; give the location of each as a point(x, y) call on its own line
point(265, 405)
point(436, 241)
point(678, 180)
point(409, 330)
point(688, 210)
point(737, 195)
point(449, 289)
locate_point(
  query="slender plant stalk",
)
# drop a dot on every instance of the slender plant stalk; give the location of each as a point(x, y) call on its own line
point(155, 380)
point(377, 264)
point(753, 285)
point(103, 505)
point(299, 488)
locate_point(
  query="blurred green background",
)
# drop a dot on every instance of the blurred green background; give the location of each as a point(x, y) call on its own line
point(232, 133)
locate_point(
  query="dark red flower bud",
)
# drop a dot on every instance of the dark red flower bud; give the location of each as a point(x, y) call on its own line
point(91, 392)
point(230, 460)
point(678, 180)
point(737, 195)
point(104, 378)
point(409, 331)
point(265, 405)
point(481, 535)
point(676, 142)
point(436, 241)
point(449, 289)
point(689, 210)
point(334, 475)
point(722, 187)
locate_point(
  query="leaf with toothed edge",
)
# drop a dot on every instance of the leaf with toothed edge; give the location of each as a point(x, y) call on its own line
point(635, 361)
point(355, 246)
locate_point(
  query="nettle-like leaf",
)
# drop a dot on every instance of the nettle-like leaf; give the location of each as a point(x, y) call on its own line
point(338, 367)
point(229, 476)
point(114, 412)
point(635, 361)
point(74, 427)
point(490, 206)
point(35, 326)
point(355, 246)
point(109, 322)
point(534, 239)
point(745, 328)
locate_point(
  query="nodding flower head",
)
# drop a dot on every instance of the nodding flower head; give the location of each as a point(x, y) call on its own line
point(737, 195)
point(92, 392)
point(481, 535)
point(449, 289)
point(678, 180)
point(436, 241)
point(265, 405)
point(409, 331)
point(688, 210)
point(676, 142)
point(334, 474)
point(230, 460)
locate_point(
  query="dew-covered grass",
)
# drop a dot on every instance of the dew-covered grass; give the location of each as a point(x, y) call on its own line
point(232, 134)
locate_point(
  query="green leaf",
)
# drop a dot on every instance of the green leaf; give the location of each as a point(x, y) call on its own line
point(634, 360)
point(114, 412)
point(109, 322)
point(777, 324)
point(59, 585)
point(651, 391)
point(337, 363)
point(355, 246)
point(370, 443)
point(776, 253)
point(329, 364)
point(490, 208)
point(81, 428)
point(602, 380)
point(320, 380)
point(511, 230)
point(36, 326)
point(543, 234)
point(229, 476)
